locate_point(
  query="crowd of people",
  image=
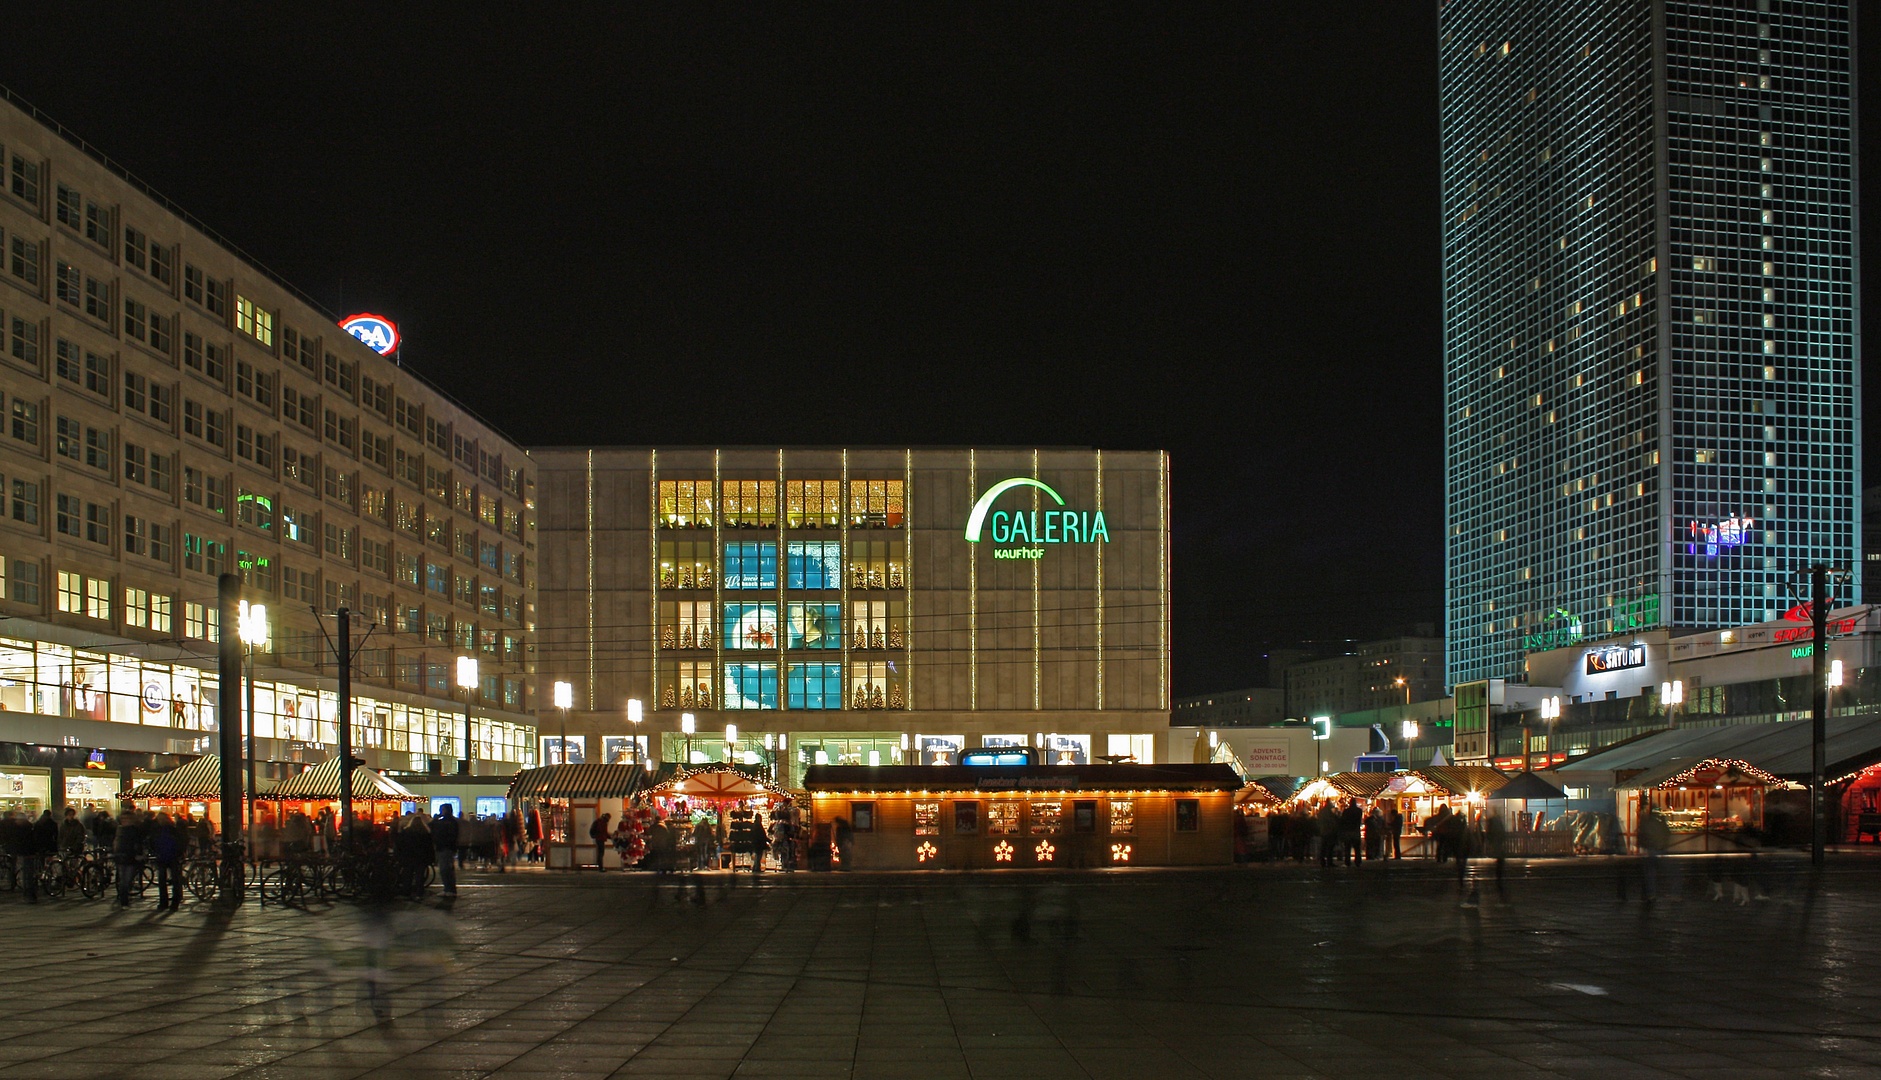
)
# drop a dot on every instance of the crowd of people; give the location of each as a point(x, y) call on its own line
point(678, 837)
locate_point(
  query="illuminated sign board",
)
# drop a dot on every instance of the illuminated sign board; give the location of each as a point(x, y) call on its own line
point(1004, 755)
point(1707, 537)
point(378, 332)
point(1031, 530)
point(1615, 658)
point(1836, 628)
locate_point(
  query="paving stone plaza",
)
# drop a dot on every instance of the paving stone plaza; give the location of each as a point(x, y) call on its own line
point(1250, 972)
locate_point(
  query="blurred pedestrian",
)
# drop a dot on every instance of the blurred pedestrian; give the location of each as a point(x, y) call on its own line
point(444, 843)
point(127, 854)
point(168, 844)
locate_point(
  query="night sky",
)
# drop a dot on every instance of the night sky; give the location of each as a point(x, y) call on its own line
point(1215, 234)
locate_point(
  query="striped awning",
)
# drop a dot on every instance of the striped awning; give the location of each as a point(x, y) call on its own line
point(719, 783)
point(323, 782)
point(594, 780)
point(1463, 779)
point(198, 779)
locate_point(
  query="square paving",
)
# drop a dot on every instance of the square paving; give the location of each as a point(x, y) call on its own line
point(1268, 971)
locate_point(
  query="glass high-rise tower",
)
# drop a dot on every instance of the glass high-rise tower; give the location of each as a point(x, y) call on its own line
point(1651, 339)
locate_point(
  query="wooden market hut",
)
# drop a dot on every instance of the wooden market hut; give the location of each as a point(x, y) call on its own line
point(565, 800)
point(194, 787)
point(1704, 803)
point(1341, 786)
point(997, 817)
point(376, 797)
point(1534, 812)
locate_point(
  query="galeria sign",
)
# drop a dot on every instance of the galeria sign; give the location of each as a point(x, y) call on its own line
point(1032, 529)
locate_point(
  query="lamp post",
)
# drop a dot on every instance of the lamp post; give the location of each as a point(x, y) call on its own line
point(770, 755)
point(731, 744)
point(633, 717)
point(564, 700)
point(467, 681)
point(1671, 695)
point(252, 628)
point(686, 724)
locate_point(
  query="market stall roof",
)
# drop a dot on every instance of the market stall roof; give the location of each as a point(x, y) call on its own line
point(1729, 772)
point(723, 783)
point(198, 779)
point(323, 782)
point(1463, 779)
point(1022, 778)
point(1256, 795)
point(1781, 748)
point(1526, 786)
point(592, 780)
point(1360, 785)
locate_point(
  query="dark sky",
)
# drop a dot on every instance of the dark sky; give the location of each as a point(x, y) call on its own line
point(1214, 233)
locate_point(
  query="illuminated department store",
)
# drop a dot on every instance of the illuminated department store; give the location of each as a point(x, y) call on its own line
point(853, 606)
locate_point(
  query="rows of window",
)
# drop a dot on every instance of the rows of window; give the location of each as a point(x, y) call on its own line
point(806, 564)
point(755, 685)
point(806, 504)
point(870, 624)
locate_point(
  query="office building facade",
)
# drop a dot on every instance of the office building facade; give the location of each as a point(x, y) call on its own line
point(171, 413)
point(854, 606)
point(1651, 331)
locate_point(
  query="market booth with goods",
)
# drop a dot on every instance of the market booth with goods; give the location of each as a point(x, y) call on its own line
point(997, 817)
point(1707, 805)
point(193, 788)
point(561, 805)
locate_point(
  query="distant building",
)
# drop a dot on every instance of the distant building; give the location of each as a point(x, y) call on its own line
point(1373, 674)
point(1256, 706)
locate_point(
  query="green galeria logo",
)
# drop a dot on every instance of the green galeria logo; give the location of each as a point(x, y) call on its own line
point(1032, 529)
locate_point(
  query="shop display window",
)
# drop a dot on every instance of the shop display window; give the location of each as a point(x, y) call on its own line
point(878, 624)
point(1047, 817)
point(751, 564)
point(1067, 749)
point(862, 816)
point(813, 564)
point(816, 686)
point(875, 504)
point(1084, 816)
point(878, 564)
point(748, 504)
point(939, 749)
point(1002, 819)
point(1122, 816)
point(966, 817)
point(815, 626)
point(686, 564)
point(750, 686)
point(813, 504)
point(685, 504)
point(751, 626)
point(927, 819)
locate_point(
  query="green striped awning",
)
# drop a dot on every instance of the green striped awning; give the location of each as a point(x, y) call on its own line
point(594, 780)
point(198, 779)
point(323, 782)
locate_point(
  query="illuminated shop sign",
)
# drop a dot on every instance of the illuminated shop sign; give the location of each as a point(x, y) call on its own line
point(1836, 628)
point(1031, 530)
point(378, 332)
point(1566, 632)
point(1615, 658)
point(1641, 613)
point(1706, 537)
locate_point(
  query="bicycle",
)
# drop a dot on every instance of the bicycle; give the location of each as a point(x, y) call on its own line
point(52, 876)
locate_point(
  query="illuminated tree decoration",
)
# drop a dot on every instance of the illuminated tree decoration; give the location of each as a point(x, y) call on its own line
point(926, 851)
point(1045, 852)
point(1119, 853)
point(1002, 851)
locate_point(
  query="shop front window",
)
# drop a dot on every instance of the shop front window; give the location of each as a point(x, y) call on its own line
point(1047, 818)
point(927, 818)
point(686, 564)
point(816, 686)
point(749, 504)
point(813, 564)
point(1002, 818)
point(813, 504)
point(875, 684)
point(751, 565)
point(1122, 816)
point(877, 564)
point(1067, 749)
point(877, 624)
point(686, 504)
point(939, 749)
point(686, 624)
point(875, 504)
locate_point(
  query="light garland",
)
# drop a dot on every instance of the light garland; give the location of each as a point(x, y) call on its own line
point(1723, 765)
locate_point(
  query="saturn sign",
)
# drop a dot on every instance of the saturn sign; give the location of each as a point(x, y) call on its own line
point(378, 332)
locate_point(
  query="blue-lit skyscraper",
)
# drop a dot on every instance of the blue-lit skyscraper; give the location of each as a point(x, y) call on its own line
point(1650, 326)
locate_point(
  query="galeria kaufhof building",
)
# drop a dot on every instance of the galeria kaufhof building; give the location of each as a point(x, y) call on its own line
point(170, 412)
point(854, 606)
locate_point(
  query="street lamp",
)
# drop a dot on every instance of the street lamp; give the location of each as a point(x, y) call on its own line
point(686, 724)
point(564, 700)
point(252, 628)
point(467, 681)
point(633, 717)
point(731, 743)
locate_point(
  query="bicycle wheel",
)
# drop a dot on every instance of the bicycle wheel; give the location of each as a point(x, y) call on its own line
point(94, 878)
point(52, 877)
point(202, 879)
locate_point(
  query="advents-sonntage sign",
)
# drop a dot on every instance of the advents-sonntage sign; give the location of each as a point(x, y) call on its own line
point(1032, 529)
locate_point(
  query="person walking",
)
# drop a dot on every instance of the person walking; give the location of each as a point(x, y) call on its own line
point(71, 840)
point(1374, 833)
point(415, 852)
point(444, 843)
point(127, 853)
point(702, 854)
point(1328, 832)
point(1394, 829)
point(168, 844)
point(45, 842)
point(599, 832)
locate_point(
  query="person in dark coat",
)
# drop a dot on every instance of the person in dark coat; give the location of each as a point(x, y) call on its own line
point(71, 839)
point(412, 846)
point(1351, 824)
point(127, 853)
point(1328, 821)
point(168, 843)
point(600, 832)
point(444, 842)
point(45, 840)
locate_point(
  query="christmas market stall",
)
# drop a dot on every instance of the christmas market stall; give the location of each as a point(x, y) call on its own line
point(997, 817)
point(193, 788)
point(1534, 816)
point(1705, 804)
point(377, 798)
point(561, 803)
point(1860, 806)
point(1253, 805)
point(720, 797)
